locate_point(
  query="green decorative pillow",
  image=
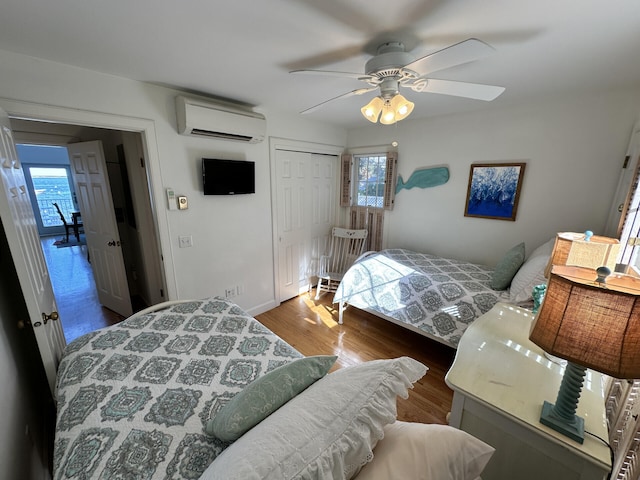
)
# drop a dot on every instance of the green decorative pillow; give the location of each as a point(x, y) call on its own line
point(265, 395)
point(507, 268)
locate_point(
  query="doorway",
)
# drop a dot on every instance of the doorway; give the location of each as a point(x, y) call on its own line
point(79, 318)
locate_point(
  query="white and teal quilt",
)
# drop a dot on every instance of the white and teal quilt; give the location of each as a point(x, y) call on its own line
point(437, 297)
point(133, 399)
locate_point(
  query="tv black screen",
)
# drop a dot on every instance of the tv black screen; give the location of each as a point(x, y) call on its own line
point(228, 177)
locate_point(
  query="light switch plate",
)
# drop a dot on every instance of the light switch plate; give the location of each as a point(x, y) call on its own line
point(183, 203)
point(185, 241)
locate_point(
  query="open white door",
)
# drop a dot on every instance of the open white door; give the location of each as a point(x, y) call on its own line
point(101, 230)
point(22, 235)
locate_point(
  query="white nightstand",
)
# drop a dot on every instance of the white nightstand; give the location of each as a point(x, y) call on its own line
point(500, 380)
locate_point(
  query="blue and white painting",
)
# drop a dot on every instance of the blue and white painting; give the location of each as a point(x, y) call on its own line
point(494, 190)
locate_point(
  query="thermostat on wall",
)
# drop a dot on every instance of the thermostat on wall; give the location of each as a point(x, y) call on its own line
point(171, 199)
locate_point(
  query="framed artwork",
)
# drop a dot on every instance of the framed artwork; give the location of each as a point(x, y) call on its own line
point(494, 190)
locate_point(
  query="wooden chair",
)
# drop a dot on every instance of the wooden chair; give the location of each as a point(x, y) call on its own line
point(75, 226)
point(346, 246)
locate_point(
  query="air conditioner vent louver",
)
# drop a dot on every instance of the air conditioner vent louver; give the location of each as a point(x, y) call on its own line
point(227, 122)
point(227, 136)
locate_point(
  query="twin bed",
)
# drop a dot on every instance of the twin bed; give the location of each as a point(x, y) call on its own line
point(137, 400)
point(434, 296)
point(133, 398)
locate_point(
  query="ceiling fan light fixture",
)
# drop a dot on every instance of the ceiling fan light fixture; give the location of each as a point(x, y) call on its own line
point(402, 107)
point(372, 110)
point(388, 115)
point(390, 111)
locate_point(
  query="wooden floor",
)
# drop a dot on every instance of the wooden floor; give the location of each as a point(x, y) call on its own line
point(311, 328)
point(75, 290)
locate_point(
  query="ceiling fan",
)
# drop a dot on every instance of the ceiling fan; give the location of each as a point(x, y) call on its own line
point(393, 67)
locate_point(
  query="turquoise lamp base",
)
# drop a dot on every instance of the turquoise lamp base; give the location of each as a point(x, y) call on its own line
point(573, 430)
point(561, 416)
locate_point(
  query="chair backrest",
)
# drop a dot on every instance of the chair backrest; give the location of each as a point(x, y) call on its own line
point(60, 213)
point(346, 246)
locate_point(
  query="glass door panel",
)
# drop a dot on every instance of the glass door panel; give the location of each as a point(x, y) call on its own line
point(49, 185)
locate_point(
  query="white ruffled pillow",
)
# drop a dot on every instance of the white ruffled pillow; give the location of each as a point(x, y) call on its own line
point(419, 451)
point(327, 432)
point(531, 273)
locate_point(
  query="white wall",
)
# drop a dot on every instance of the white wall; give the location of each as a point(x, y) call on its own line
point(573, 147)
point(232, 241)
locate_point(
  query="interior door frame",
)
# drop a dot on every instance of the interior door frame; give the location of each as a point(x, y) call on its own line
point(146, 128)
point(278, 143)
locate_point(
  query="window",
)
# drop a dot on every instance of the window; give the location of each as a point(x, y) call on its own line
point(629, 230)
point(628, 197)
point(369, 180)
point(370, 193)
point(370, 177)
point(48, 178)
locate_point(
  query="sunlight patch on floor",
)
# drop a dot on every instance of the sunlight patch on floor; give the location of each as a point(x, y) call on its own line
point(323, 312)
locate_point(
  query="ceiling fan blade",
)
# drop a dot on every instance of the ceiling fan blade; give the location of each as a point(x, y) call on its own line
point(463, 52)
point(411, 15)
point(476, 91)
point(491, 37)
point(325, 58)
point(359, 91)
point(357, 76)
point(352, 17)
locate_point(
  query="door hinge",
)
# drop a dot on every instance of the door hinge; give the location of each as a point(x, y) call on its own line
point(633, 241)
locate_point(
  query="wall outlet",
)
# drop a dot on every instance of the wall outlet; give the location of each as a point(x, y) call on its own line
point(234, 291)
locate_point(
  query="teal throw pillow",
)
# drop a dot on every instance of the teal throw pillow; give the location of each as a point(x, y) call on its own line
point(507, 268)
point(265, 395)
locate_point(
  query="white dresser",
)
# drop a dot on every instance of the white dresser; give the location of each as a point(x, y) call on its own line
point(500, 380)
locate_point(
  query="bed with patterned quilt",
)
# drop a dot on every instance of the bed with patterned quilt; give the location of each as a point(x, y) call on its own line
point(201, 390)
point(434, 296)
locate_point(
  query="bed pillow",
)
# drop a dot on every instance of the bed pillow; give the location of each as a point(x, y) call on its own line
point(326, 432)
point(507, 267)
point(265, 395)
point(419, 451)
point(531, 273)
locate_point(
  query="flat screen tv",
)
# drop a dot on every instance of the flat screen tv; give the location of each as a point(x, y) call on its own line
point(228, 177)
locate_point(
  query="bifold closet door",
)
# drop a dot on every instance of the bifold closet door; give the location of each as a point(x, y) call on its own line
point(306, 205)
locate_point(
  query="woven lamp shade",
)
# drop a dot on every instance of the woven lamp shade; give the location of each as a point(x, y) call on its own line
point(589, 323)
point(573, 249)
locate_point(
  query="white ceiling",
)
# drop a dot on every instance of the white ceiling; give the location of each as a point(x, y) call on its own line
point(243, 50)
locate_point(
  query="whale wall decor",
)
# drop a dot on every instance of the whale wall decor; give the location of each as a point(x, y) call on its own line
point(424, 178)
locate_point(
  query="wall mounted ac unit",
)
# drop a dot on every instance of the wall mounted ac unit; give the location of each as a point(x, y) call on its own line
point(206, 119)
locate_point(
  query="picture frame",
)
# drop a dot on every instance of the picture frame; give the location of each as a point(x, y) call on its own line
point(494, 190)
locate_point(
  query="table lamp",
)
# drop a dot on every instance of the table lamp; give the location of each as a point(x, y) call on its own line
point(592, 320)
